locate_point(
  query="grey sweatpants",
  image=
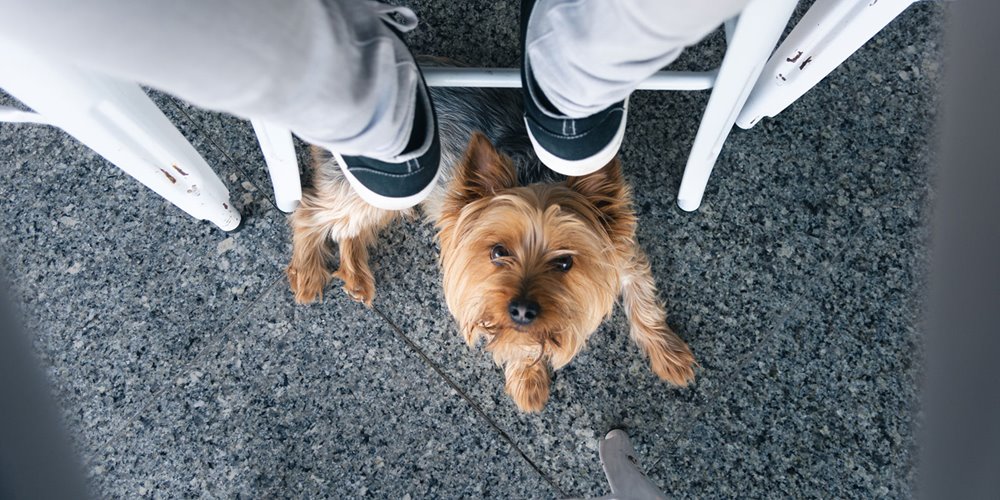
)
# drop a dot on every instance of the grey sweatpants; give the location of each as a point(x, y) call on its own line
point(589, 54)
point(331, 71)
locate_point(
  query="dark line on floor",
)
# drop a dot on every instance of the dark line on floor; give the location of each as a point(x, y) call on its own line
point(209, 346)
point(472, 402)
point(216, 145)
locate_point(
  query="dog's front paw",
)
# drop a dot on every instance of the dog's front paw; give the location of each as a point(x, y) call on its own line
point(529, 387)
point(359, 286)
point(307, 285)
point(675, 364)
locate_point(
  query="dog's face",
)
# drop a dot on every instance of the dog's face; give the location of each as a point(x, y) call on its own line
point(534, 269)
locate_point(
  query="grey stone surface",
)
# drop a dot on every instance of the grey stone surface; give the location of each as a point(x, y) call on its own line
point(724, 295)
point(828, 406)
point(308, 402)
point(122, 287)
point(788, 201)
point(183, 368)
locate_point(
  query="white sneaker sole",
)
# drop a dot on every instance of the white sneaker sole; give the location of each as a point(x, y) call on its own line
point(384, 202)
point(575, 168)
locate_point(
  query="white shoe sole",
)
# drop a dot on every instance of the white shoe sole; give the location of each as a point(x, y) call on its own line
point(384, 202)
point(576, 168)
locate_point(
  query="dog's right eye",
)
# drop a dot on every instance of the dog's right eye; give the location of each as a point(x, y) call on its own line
point(498, 252)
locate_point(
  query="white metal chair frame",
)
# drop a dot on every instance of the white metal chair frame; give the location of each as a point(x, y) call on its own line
point(118, 121)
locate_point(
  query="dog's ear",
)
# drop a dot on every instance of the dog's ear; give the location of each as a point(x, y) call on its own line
point(483, 171)
point(607, 191)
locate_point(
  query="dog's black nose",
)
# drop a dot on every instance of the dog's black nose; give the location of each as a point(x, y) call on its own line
point(523, 311)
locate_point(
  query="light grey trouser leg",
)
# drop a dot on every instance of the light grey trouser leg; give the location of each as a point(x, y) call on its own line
point(589, 54)
point(330, 71)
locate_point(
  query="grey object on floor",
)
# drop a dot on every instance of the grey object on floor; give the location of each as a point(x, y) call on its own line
point(35, 459)
point(622, 470)
point(960, 449)
point(182, 367)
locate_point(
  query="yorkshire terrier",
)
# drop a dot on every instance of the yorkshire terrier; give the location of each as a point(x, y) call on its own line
point(532, 262)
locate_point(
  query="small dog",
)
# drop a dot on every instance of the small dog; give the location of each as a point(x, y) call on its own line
point(533, 267)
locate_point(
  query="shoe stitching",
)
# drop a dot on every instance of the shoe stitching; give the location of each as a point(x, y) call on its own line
point(551, 120)
point(379, 172)
point(566, 136)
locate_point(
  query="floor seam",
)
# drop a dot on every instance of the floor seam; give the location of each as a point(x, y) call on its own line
point(398, 332)
point(214, 343)
point(249, 306)
point(193, 363)
point(229, 157)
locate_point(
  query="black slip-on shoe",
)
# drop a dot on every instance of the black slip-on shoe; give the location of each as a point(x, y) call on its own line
point(570, 146)
point(406, 180)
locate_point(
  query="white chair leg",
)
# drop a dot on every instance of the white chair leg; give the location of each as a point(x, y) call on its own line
point(828, 34)
point(282, 165)
point(118, 121)
point(757, 31)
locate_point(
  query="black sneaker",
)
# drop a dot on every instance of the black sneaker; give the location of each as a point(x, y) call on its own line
point(570, 146)
point(409, 178)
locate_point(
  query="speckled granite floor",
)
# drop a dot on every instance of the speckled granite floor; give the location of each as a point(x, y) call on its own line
point(184, 368)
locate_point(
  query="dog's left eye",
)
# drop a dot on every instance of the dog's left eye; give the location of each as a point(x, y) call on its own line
point(563, 263)
point(498, 252)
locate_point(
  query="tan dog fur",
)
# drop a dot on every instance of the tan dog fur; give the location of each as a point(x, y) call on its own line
point(587, 219)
